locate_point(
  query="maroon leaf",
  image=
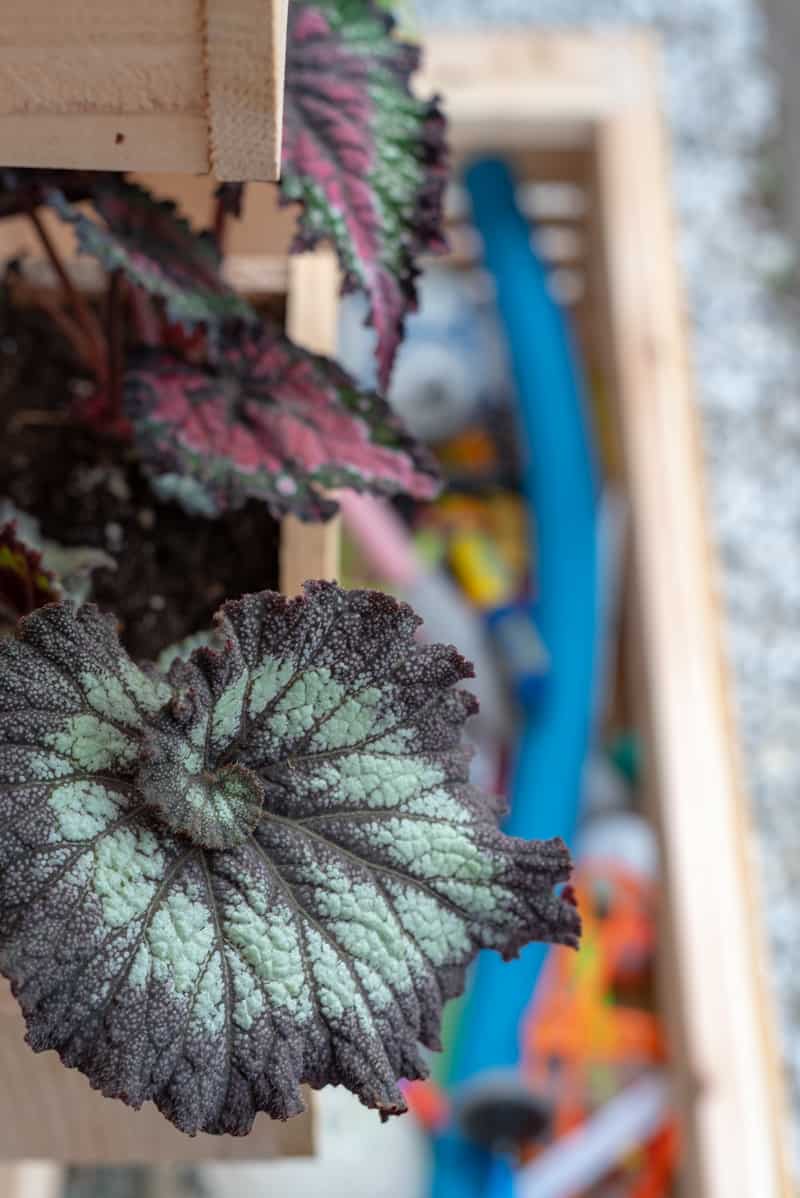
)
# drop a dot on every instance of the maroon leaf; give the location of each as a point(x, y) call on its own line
point(157, 249)
point(24, 583)
point(364, 158)
point(267, 421)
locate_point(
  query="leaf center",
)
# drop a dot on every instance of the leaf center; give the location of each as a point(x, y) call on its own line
point(213, 808)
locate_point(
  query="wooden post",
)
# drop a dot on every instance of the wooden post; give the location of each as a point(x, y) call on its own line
point(311, 550)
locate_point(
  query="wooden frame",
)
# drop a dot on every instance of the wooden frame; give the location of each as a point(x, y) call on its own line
point(50, 1113)
point(585, 108)
point(188, 85)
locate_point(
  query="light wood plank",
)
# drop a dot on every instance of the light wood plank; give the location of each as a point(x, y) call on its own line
point(49, 1112)
point(596, 96)
point(106, 84)
point(529, 89)
point(311, 550)
point(730, 1061)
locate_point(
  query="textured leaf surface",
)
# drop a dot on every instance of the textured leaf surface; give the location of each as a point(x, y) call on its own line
point(362, 155)
point(270, 871)
point(25, 584)
point(158, 251)
point(269, 421)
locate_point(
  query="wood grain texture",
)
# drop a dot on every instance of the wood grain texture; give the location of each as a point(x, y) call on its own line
point(49, 1112)
point(245, 56)
point(108, 84)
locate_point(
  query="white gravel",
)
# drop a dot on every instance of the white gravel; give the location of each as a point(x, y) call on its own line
point(722, 104)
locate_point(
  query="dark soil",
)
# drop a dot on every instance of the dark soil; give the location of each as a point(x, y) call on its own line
point(173, 570)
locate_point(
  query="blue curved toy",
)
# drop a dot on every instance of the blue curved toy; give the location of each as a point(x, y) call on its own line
point(562, 495)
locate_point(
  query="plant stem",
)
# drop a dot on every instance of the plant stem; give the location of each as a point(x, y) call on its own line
point(82, 310)
point(115, 340)
point(220, 223)
point(43, 298)
point(146, 323)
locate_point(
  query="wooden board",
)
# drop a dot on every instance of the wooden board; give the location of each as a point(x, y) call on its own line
point(160, 85)
point(311, 550)
point(51, 1113)
point(595, 99)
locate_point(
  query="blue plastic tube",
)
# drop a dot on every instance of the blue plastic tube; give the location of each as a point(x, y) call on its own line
point(562, 495)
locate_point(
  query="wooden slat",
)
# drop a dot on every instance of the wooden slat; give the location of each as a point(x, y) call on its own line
point(729, 1059)
point(567, 101)
point(311, 550)
point(109, 84)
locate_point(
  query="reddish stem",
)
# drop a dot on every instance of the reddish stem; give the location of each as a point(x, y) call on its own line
point(146, 323)
point(115, 304)
point(83, 313)
point(220, 224)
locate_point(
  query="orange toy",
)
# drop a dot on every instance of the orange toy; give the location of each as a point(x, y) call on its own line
point(589, 1029)
point(576, 1016)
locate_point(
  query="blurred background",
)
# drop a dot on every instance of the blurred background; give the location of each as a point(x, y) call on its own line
point(732, 100)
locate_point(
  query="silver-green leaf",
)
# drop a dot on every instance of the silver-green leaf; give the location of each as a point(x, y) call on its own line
point(269, 869)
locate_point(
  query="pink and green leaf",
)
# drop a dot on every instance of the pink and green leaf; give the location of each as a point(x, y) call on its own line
point(157, 250)
point(268, 421)
point(363, 156)
point(25, 584)
point(268, 870)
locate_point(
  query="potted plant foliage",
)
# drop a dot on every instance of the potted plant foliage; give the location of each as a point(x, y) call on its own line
point(251, 859)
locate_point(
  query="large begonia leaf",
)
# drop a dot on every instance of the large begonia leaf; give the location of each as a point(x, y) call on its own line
point(157, 249)
point(269, 870)
point(25, 584)
point(267, 421)
point(362, 155)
